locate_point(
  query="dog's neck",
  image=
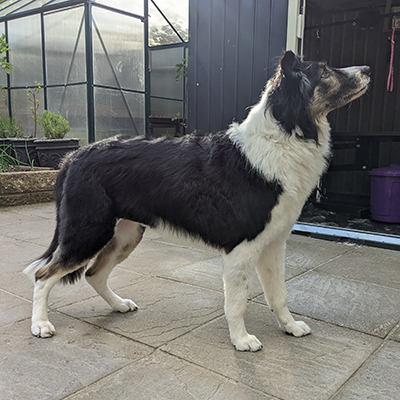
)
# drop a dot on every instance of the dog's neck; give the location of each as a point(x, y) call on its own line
point(279, 155)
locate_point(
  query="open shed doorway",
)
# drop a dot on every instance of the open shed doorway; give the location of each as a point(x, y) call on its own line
point(366, 134)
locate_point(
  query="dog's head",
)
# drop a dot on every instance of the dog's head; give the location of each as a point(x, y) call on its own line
point(302, 92)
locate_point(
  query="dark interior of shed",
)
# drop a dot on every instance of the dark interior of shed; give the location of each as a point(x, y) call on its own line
point(365, 134)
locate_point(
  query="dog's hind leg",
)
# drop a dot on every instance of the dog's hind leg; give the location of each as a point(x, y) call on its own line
point(271, 272)
point(46, 276)
point(126, 237)
point(239, 269)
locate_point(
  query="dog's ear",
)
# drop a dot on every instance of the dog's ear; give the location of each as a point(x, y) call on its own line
point(290, 65)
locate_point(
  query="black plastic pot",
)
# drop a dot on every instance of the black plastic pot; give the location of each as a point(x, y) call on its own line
point(5, 145)
point(25, 150)
point(51, 151)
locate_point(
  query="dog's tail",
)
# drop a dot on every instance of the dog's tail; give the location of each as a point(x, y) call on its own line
point(48, 254)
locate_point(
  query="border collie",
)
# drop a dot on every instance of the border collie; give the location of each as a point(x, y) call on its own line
point(239, 191)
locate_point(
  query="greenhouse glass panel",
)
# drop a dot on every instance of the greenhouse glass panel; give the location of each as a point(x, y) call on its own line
point(118, 46)
point(15, 7)
point(9, 6)
point(160, 31)
point(71, 101)
point(21, 110)
point(31, 5)
point(3, 104)
point(3, 74)
point(164, 73)
point(24, 39)
point(162, 108)
point(65, 46)
point(132, 6)
point(118, 112)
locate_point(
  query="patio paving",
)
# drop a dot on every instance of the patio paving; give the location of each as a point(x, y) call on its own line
point(176, 346)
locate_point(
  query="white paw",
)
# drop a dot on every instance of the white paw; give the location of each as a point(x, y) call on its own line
point(125, 305)
point(43, 329)
point(299, 328)
point(247, 343)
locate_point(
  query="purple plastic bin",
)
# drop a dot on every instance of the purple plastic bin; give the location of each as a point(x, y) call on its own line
point(385, 194)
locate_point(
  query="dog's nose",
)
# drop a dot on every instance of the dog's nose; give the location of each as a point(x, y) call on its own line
point(366, 70)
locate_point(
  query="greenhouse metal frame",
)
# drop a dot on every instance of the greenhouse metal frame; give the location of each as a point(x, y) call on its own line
point(91, 60)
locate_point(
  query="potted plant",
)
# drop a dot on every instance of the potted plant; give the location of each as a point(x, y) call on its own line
point(9, 128)
point(54, 147)
point(11, 142)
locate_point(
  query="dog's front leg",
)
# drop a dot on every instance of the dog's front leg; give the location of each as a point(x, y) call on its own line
point(239, 270)
point(271, 271)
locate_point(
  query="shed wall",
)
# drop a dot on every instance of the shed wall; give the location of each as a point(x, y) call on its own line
point(234, 47)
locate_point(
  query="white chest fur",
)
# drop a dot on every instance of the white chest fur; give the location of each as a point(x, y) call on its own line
point(296, 163)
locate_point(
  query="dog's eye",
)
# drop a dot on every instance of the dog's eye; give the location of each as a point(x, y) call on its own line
point(324, 73)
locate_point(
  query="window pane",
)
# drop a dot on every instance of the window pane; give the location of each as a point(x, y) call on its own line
point(72, 104)
point(114, 111)
point(118, 45)
point(161, 108)
point(177, 13)
point(24, 38)
point(132, 6)
point(65, 46)
point(164, 72)
point(22, 113)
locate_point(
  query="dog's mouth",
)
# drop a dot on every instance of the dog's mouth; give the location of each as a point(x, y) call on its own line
point(353, 96)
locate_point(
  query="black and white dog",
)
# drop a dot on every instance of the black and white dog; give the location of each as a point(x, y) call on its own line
point(240, 191)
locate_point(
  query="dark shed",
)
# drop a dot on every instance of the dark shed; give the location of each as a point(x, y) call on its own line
point(231, 55)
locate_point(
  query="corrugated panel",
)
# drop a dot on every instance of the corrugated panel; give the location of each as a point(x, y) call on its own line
point(233, 50)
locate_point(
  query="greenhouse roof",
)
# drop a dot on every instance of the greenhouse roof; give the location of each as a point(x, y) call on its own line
point(12, 9)
point(15, 8)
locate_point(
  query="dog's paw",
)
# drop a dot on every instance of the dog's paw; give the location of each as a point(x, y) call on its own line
point(248, 343)
point(43, 329)
point(299, 328)
point(125, 305)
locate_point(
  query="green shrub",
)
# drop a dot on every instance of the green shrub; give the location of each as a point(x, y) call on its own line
point(10, 128)
point(54, 126)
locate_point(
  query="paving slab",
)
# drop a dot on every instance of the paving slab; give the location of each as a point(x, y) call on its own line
point(304, 253)
point(208, 274)
point(368, 264)
point(13, 308)
point(307, 368)
point(379, 379)
point(15, 256)
point(155, 258)
point(177, 284)
point(44, 210)
point(301, 256)
point(396, 334)
point(162, 376)
point(18, 251)
point(33, 230)
point(80, 354)
point(167, 310)
point(357, 305)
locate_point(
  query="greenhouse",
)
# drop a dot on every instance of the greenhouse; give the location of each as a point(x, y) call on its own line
point(109, 67)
